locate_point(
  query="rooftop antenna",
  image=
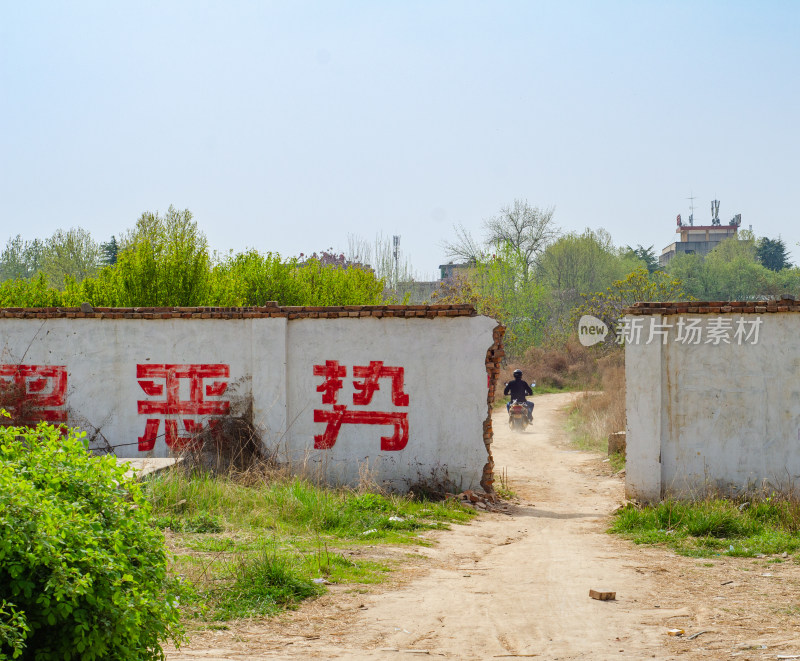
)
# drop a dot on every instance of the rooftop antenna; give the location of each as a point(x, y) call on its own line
point(715, 212)
point(396, 243)
point(691, 208)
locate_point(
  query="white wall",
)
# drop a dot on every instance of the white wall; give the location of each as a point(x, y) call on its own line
point(272, 360)
point(714, 417)
point(445, 379)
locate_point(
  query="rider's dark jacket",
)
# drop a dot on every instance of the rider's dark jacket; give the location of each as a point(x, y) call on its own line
point(517, 389)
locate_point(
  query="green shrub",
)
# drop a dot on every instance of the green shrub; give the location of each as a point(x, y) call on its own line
point(82, 573)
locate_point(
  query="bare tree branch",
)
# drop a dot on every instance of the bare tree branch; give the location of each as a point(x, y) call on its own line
point(463, 247)
point(527, 230)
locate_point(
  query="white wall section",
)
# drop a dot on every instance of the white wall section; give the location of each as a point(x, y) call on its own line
point(404, 397)
point(719, 413)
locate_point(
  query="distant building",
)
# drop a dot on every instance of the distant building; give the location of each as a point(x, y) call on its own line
point(418, 292)
point(449, 269)
point(421, 291)
point(700, 239)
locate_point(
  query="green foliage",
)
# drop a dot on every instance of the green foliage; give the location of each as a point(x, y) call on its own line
point(497, 287)
point(715, 526)
point(731, 271)
point(164, 262)
point(639, 285)
point(14, 630)
point(20, 259)
point(579, 264)
point(82, 574)
point(33, 293)
point(332, 285)
point(772, 254)
point(70, 254)
point(519, 302)
point(646, 255)
point(109, 251)
point(253, 278)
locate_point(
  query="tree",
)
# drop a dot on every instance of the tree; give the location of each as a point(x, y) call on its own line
point(647, 255)
point(252, 278)
point(69, 254)
point(464, 247)
point(742, 246)
point(164, 261)
point(578, 264)
point(494, 287)
point(732, 271)
point(772, 254)
point(691, 271)
point(109, 251)
point(20, 259)
point(640, 285)
point(520, 228)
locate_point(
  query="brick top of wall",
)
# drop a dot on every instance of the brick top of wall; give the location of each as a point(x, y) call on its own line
point(786, 303)
point(270, 310)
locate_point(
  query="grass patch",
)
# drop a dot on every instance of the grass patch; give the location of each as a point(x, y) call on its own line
point(503, 486)
point(254, 548)
point(715, 526)
point(263, 584)
point(617, 461)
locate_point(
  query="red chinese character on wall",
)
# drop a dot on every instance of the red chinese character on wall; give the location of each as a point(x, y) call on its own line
point(366, 382)
point(205, 385)
point(35, 393)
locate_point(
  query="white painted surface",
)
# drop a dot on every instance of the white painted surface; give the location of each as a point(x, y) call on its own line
point(724, 417)
point(445, 379)
point(272, 360)
point(148, 466)
point(643, 368)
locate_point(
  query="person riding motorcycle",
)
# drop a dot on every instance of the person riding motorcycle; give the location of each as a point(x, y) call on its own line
point(517, 390)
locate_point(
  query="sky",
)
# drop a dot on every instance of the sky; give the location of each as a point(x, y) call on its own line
point(290, 126)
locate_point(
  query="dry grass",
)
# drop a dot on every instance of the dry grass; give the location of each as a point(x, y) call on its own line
point(595, 415)
point(571, 366)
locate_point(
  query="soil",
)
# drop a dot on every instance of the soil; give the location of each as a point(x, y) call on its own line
point(516, 585)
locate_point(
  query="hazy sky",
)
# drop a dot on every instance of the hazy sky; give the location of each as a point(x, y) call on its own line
point(286, 126)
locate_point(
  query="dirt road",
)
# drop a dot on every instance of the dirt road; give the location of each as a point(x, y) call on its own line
point(517, 585)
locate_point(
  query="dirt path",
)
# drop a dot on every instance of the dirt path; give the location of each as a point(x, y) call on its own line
point(517, 585)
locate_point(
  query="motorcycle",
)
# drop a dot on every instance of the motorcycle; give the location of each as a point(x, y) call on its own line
point(518, 415)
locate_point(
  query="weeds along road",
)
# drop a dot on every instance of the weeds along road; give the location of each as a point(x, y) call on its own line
point(504, 586)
